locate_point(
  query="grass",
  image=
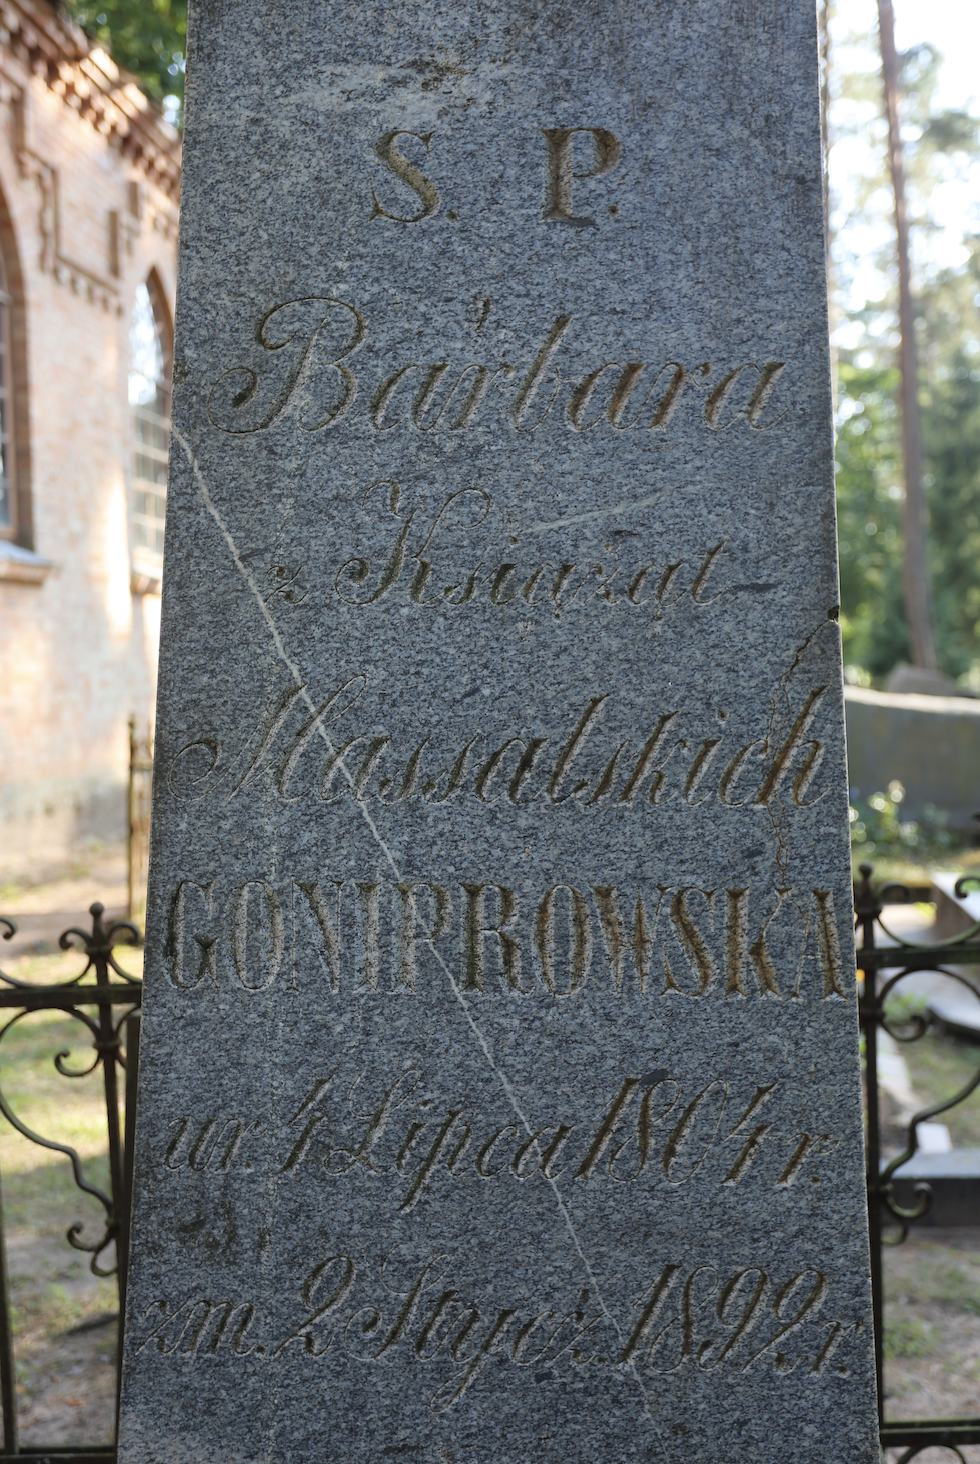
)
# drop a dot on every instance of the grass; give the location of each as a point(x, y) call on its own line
point(941, 1277)
point(932, 1332)
point(69, 1110)
point(940, 1067)
point(64, 1380)
point(908, 1337)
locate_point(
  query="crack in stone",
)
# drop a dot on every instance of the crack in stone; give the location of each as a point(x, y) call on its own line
point(777, 817)
point(497, 1071)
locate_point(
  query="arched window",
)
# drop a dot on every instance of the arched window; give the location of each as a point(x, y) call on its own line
point(8, 477)
point(149, 403)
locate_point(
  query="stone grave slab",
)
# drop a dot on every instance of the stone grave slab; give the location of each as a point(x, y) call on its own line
point(499, 1085)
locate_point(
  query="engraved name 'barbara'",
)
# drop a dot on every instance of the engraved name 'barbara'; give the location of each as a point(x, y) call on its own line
point(305, 371)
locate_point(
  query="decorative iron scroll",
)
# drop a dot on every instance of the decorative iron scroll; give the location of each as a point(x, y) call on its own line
point(107, 1046)
point(104, 985)
point(883, 968)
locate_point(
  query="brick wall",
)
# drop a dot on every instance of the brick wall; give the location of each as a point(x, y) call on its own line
point(82, 225)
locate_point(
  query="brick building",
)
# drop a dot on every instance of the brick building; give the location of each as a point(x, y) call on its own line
point(89, 183)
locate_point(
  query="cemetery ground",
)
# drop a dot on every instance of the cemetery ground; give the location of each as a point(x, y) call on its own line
point(65, 1318)
point(932, 1280)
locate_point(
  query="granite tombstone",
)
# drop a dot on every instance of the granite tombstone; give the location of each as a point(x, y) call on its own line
point(500, 1088)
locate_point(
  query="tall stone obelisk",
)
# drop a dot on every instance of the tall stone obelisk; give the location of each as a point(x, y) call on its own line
point(500, 1089)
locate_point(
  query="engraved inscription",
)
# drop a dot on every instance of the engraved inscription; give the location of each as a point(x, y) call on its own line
point(501, 1073)
point(426, 192)
point(309, 338)
point(655, 1129)
point(577, 766)
point(416, 565)
point(648, 941)
point(415, 1313)
point(214, 1144)
point(305, 371)
point(606, 153)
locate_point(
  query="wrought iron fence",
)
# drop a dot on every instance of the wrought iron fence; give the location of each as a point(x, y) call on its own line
point(96, 993)
point(93, 998)
point(883, 969)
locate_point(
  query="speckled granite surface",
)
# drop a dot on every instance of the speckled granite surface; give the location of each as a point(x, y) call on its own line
point(500, 1092)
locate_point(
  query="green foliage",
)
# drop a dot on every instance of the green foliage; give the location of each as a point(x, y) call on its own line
point(146, 37)
point(870, 478)
point(903, 1007)
point(878, 828)
point(869, 516)
point(870, 495)
point(950, 396)
point(919, 73)
point(950, 132)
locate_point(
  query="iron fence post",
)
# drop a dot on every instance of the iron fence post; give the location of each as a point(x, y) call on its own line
point(8, 1376)
point(867, 909)
point(126, 1206)
point(130, 816)
point(21, 999)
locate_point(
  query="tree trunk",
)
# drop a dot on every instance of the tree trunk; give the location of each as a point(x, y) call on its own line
point(918, 608)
